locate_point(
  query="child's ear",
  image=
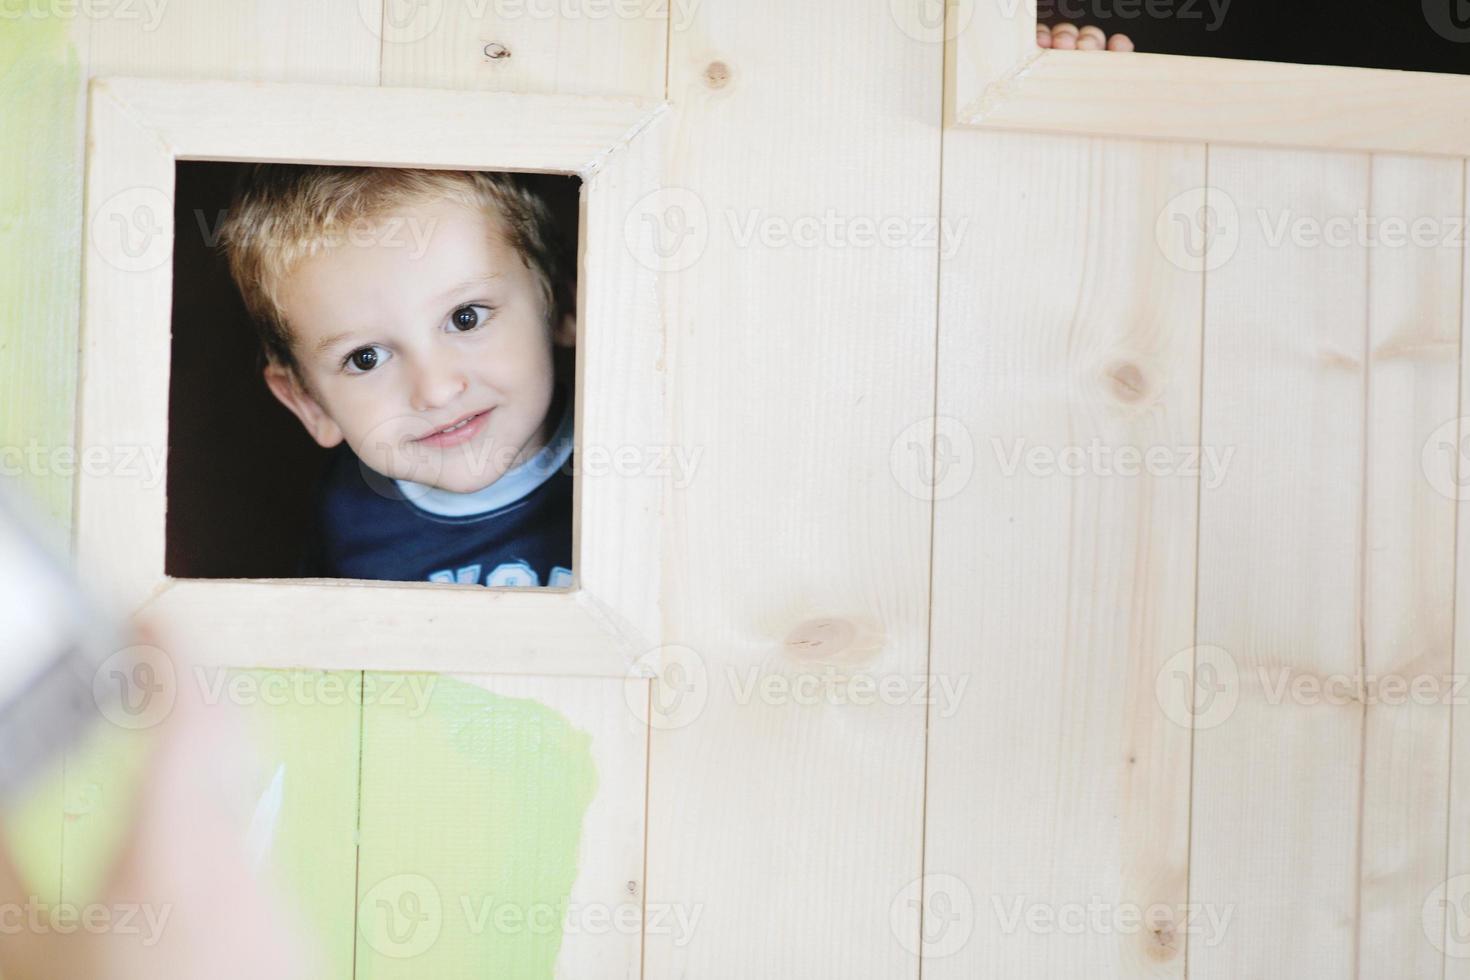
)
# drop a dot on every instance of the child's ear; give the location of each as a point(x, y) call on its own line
point(289, 391)
point(565, 333)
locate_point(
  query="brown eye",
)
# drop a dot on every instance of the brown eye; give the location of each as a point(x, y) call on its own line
point(365, 359)
point(467, 318)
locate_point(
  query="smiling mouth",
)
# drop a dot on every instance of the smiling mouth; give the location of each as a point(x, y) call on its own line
point(455, 427)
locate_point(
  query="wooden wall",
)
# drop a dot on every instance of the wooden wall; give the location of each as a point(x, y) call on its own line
point(1094, 747)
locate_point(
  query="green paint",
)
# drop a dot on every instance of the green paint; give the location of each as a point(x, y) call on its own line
point(472, 809)
point(305, 726)
point(40, 259)
point(40, 247)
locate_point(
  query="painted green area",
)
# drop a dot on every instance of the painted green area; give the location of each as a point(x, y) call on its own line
point(40, 253)
point(303, 727)
point(472, 809)
point(297, 776)
point(40, 221)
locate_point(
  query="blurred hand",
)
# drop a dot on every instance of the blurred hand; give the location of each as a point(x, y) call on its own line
point(197, 910)
point(1068, 37)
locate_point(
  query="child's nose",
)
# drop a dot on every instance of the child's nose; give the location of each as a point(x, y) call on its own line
point(436, 385)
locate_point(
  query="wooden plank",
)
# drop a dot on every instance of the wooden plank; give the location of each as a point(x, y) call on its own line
point(1222, 100)
point(990, 42)
point(1413, 394)
point(1449, 903)
point(502, 830)
point(597, 47)
point(1069, 356)
point(445, 45)
point(542, 133)
point(800, 343)
point(1276, 773)
point(304, 729)
point(265, 40)
point(315, 746)
point(43, 96)
point(403, 626)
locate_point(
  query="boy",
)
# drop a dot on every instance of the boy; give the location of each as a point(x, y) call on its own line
point(420, 324)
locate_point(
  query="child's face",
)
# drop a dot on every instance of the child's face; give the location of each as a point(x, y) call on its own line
point(396, 340)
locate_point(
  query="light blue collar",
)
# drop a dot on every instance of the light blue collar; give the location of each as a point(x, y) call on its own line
point(512, 486)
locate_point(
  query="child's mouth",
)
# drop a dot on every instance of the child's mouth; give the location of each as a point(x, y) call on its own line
point(460, 432)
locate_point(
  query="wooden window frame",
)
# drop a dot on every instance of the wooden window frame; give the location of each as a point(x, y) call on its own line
point(609, 618)
point(997, 77)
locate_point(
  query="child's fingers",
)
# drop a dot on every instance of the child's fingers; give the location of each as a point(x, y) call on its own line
point(1091, 38)
point(1043, 36)
point(1120, 42)
point(1064, 37)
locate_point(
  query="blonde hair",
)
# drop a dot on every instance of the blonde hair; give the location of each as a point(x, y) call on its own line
point(283, 213)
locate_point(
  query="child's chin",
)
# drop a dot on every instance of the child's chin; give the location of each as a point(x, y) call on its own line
point(464, 483)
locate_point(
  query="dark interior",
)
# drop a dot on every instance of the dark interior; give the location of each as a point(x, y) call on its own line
point(241, 469)
point(1413, 35)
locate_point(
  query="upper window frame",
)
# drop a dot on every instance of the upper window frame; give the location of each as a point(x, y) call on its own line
point(998, 78)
